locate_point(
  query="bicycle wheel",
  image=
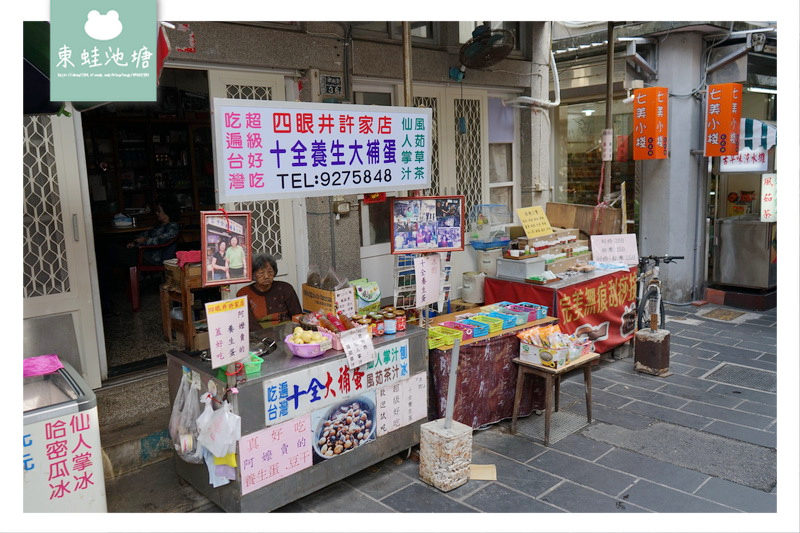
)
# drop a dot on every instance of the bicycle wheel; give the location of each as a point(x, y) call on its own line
point(647, 306)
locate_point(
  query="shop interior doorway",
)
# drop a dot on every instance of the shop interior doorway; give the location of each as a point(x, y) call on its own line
point(136, 155)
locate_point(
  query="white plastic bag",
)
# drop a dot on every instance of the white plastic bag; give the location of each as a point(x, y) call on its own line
point(221, 431)
point(183, 421)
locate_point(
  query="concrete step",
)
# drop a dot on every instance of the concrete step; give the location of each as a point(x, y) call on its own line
point(155, 488)
point(134, 414)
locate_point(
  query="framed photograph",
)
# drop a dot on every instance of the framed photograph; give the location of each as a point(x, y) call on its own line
point(227, 247)
point(425, 224)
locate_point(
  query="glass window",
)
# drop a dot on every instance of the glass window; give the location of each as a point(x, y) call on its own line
point(370, 98)
point(378, 230)
point(420, 31)
point(376, 221)
point(501, 176)
point(579, 164)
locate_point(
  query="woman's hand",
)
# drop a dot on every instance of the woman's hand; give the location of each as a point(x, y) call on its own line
point(136, 242)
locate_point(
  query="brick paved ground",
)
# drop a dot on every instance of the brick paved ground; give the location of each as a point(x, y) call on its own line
point(685, 443)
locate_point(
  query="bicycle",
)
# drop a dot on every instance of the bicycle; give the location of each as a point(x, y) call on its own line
point(650, 304)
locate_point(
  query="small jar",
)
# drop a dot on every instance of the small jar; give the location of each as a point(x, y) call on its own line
point(389, 323)
point(367, 322)
point(400, 317)
point(380, 327)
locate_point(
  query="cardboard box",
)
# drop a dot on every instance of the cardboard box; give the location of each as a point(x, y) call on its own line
point(315, 299)
point(555, 358)
point(173, 273)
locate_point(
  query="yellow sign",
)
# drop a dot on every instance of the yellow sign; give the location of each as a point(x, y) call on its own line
point(534, 221)
point(225, 305)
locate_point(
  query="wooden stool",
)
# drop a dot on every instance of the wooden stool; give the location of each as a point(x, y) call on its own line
point(552, 379)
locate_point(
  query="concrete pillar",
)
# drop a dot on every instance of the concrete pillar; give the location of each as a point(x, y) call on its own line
point(672, 215)
point(536, 178)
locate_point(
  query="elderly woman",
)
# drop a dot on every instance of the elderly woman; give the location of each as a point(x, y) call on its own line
point(271, 302)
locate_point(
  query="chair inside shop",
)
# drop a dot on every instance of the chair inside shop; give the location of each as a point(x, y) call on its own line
point(169, 250)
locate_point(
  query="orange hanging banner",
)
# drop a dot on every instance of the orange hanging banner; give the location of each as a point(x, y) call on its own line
point(723, 113)
point(650, 123)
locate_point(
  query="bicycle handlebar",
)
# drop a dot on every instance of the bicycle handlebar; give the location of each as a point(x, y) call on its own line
point(661, 258)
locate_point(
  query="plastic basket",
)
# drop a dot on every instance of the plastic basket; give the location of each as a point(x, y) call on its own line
point(480, 245)
point(253, 366)
point(529, 313)
point(448, 334)
point(494, 323)
point(541, 310)
point(479, 329)
point(494, 307)
point(509, 321)
point(522, 315)
point(465, 328)
point(435, 342)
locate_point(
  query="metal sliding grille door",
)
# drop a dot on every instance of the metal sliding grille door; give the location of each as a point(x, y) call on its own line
point(44, 258)
point(433, 104)
point(468, 161)
point(265, 214)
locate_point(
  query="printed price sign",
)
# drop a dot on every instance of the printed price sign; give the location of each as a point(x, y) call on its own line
point(274, 149)
point(534, 221)
point(228, 331)
point(275, 452)
point(427, 270)
point(358, 348)
point(619, 248)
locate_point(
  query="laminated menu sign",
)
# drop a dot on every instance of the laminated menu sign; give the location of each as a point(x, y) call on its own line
point(619, 248)
point(228, 331)
point(275, 452)
point(427, 271)
point(534, 221)
point(357, 344)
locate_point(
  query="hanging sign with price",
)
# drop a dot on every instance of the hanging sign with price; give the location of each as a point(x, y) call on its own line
point(358, 347)
point(534, 221)
point(228, 331)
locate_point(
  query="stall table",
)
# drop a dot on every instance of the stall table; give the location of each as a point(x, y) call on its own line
point(290, 399)
point(552, 380)
point(600, 303)
point(486, 377)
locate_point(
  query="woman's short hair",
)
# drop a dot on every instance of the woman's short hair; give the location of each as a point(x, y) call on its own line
point(262, 260)
point(171, 208)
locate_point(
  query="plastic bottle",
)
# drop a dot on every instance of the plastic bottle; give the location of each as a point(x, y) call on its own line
point(327, 324)
point(346, 322)
point(336, 322)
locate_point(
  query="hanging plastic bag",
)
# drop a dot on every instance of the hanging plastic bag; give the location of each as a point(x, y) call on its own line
point(313, 279)
point(333, 281)
point(183, 421)
point(223, 430)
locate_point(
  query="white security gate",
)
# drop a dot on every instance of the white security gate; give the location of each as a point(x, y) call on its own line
point(58, 251)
